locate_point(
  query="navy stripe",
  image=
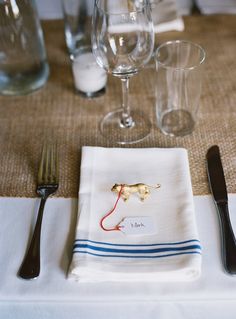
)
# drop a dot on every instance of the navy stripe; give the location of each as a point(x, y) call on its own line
point(135, 245)
point(124, 256)
point(137, 251)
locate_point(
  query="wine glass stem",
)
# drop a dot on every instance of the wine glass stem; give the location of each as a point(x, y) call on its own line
point(126, 119)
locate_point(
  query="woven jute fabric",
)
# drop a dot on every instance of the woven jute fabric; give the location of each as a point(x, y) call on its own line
point(58, 113)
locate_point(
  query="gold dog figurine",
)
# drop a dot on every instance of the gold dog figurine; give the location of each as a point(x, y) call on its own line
point(142, 189)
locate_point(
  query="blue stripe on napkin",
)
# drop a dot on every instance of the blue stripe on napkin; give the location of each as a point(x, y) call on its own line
point(103, 249)
point(141, 245)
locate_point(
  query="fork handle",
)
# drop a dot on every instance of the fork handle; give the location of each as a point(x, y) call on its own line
point(30, 267)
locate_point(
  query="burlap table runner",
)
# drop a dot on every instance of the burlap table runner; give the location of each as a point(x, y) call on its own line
point(57, 112)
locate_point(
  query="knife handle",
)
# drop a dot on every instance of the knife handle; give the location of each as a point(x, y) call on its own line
point(228, 239)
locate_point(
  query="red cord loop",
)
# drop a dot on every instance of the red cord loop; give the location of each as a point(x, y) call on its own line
point(117, 227)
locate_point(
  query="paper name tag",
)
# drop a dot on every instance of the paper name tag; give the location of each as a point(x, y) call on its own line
point(137, 226)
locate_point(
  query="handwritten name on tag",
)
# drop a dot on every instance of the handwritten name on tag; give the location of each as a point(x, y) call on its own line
point(137, 226)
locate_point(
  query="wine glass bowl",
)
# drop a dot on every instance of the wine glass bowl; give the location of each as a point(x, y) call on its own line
point(123, 41)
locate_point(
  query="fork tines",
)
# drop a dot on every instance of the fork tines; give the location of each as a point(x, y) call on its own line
point(48, 168)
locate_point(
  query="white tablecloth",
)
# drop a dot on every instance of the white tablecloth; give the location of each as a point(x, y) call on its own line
point(53, 296)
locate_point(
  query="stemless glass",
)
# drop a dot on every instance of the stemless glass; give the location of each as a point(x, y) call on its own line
point(123, 41)
point(179, 66)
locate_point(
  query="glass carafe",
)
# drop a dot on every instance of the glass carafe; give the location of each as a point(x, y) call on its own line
point(23, 61)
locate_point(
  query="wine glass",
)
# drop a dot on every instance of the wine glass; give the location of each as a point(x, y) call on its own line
point(123, 41)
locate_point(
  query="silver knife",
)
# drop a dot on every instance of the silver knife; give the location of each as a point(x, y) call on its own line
point(219, 192)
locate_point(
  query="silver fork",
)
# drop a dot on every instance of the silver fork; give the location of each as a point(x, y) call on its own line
point(47, 185)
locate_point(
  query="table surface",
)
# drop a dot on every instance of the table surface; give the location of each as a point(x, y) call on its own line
point(52, 295)
point(56, 112)
point(72, 121)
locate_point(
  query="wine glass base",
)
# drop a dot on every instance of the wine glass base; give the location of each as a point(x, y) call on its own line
point(114, 130)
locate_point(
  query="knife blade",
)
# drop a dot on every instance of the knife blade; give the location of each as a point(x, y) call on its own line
point(219, 192)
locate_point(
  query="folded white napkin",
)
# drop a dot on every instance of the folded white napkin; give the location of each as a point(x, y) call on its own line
point(216, 6)
point(165, 16)
point(184, 7)
point(170, 252)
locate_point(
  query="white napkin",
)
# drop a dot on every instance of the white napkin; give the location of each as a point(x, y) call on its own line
point(165, 16)
point(171, 253)
point(216, 6)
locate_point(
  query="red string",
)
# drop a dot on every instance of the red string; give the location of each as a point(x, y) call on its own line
point(117, 227)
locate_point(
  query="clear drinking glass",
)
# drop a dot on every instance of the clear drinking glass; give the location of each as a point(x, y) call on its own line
point(123, 40)
point(23, 62)
point(77, 19)
point(178, 86)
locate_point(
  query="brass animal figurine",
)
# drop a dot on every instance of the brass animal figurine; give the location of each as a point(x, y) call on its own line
point(142, 189)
